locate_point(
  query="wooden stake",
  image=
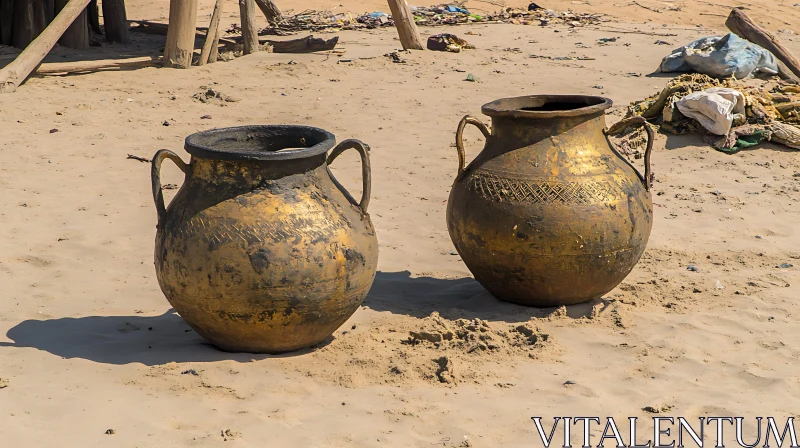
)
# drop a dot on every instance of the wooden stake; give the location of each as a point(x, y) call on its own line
point(212, 56)
point(247, 9)
point(116, 22)
point(270, 10)
point(181, 33)
point(741, 24)
point(12, 75)
point(212, 34)
point(404, 22)
point(77, 35)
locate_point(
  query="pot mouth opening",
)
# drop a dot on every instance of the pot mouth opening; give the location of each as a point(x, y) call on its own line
point(260, 142)
point(547, 106)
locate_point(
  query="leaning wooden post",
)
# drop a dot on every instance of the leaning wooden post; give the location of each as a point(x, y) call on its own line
point(741, 24)
point(270, 10)
point(406, 28)
point(212, 56)
point(12, 75)
point(116, 23)
point(247, 8)
point(180, 33)
point(212, 34)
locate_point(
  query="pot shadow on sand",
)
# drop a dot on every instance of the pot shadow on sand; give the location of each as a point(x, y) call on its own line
point(149, 340)
point(156, 340)
point(452, 298)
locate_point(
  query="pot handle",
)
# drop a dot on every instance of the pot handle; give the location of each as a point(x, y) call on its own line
point(468, 119)
point(637, 122)
point(366, 169)
point(155, 175)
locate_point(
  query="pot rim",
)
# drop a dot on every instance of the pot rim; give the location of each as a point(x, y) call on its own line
point(232, 143)
point(515, 107)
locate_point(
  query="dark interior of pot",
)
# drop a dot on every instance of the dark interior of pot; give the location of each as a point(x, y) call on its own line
point(547, 104)
point(278, 142)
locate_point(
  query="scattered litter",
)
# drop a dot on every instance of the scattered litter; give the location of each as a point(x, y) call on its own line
point(141, 159)
point(599, 87)
point(53, 131)
point(448, 42)
point(608, 39)
point(662, 42)
point(3, 383)
point(110, 432)
point(719, 285)
point(211, 95)
point(205, 117)
point(190, 372)
point(692, 268)
point(437, 15)
point(785, 265)
point(721, 57)
point(472, 78)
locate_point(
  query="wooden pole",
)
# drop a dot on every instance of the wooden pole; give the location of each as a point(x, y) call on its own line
point(212, 56)
point(29, 19)
point(181, 33)
point(6, 20)
point(94, 17)
point(247, 9)
point(741, 24)
point(212, 34)
point(406, 28)
point(77, 35)
point(12, 75)
point(270, 10)
point(116, 22)
point(91, 66)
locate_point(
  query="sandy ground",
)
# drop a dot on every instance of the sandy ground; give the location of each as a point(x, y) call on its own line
point(91, 344)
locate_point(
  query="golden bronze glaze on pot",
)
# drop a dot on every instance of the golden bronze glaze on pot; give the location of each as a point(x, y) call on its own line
point(549, 214)
point(262, 250)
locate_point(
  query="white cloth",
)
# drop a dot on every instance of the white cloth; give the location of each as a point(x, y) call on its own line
point(714, 108)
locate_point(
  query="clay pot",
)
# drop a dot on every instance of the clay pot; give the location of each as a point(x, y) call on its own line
point(262, 250)
point(549, 214)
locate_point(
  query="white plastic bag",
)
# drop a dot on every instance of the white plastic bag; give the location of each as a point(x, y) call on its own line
point(714, 108)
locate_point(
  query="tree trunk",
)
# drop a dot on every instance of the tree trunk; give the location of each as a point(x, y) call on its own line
point(13, 74)
point(29, 19)
point(270, 10)
point(77, 35)
point(6, 21)
point(404, 22)
point(181, 33)
point(212, 33)
point(116, 21)
point(247, 9)
point(741, 24)
point(94, 17)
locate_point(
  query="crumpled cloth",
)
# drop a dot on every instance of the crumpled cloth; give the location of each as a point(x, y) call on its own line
point(713, 108)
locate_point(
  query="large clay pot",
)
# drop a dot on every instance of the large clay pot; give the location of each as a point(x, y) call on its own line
point(549, 214)
point(262, 250)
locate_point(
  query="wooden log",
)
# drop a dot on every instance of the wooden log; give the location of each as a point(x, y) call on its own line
point(6, 21)
point(12, 75)
point(94, 17)
point(77, 35)
point(247, 9)
point(29, 19)
point(270, 10)
point(212, 35)
point(741, 24)
point(181, 33)
point(308, 44)
point(406, 28)
point(116, 23)
point(93, 66)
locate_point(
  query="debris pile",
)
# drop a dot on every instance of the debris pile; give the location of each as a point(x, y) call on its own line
point(768, 113)
point(328, 21)
point(476, 336)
